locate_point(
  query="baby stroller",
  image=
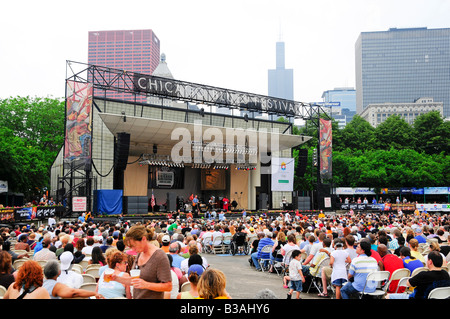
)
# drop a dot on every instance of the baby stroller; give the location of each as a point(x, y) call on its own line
point(239, 244)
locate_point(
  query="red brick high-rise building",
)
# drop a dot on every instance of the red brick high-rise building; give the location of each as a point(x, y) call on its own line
point(130, 50)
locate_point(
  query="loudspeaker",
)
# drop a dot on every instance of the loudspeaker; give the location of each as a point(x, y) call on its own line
point(302, 162)
point(121, 151)
point(61, 191)
point(262, 201)
point(302, 203)
point(171, 202)
point(136, 204)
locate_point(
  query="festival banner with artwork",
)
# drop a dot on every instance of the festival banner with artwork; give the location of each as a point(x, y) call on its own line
point(78, 135)
point(325, 149)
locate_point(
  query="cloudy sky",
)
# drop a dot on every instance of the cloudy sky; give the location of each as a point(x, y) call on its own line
point(229, 44)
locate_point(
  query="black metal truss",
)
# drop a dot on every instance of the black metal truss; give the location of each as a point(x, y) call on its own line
point(122, 81)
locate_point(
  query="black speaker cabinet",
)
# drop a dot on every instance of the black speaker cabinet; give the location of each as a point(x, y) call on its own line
point(122, 150)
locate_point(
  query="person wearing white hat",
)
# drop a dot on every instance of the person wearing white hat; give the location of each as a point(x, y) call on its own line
point(67, 276)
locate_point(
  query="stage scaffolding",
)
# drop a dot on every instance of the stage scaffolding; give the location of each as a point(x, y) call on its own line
point(135, 89)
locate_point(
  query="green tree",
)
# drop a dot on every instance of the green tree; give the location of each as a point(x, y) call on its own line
point(432, 133)
point(394, 132)
point(32, 133)
point(356, 135)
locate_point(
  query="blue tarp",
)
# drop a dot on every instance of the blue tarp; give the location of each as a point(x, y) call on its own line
point(108, 201)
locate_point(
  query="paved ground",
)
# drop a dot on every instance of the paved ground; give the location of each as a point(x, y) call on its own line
point(243, 281)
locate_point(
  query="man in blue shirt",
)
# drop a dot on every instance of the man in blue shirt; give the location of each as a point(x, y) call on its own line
point(360, 268)
point(267, 240)
point(419, 236)
point(174, 250)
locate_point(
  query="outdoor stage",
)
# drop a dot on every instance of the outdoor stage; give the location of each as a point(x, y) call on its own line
point(167, 139)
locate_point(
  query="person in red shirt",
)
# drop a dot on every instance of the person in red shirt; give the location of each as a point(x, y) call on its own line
point(225, 202)
point(389, 262)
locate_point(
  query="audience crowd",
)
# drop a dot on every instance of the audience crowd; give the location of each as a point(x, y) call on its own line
point(168, 258)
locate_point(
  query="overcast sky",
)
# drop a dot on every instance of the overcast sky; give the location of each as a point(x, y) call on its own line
point(229, 44)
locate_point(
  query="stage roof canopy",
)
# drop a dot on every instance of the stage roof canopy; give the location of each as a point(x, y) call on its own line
point(145, 132)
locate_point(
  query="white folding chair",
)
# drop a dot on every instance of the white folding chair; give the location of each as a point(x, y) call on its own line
point(397, 275)
point(375, 277)
point(77, 268)
point(93, 272)
point(206, 240)
point(90, 286)
point(226, 244)
point(439, 293)
point(402, 284)
point(316, 279)
point(216, 246)
point(19, 262)
point(266, 249)
point(93, 266)
point(417, 270)
point(84, 263)
point(185, 287)
point(2, 291)
point(87, 278)
point(285, 263)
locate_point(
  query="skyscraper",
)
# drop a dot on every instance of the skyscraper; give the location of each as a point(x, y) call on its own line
point(403, 65)
point(130, 50)
point(345, 97)
point(281, 80)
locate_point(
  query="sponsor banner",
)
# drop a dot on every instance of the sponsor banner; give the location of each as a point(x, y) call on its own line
point(3, 186)
point(79, 204)
point(36, 212)
point(433, 207)
point(354, 191)
point(283, 174)
point(395, 207)
point(411, 191)
point(436, 191)
point(7, 214)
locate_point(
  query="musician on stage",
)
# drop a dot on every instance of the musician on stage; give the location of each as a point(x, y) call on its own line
point(225, 202)
point(195, 207)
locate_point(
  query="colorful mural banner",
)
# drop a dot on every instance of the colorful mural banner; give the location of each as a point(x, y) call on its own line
point(78, 135)
point(325, 137)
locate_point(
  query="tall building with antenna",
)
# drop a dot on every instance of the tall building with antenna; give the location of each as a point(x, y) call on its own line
point(280, 79)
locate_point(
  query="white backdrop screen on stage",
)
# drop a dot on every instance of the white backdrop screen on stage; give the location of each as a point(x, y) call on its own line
point(282, 174)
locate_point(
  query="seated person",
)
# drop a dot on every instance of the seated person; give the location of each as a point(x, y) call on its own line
point(425, 281)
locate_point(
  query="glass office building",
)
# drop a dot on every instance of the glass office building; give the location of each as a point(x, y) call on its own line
point(345, 97)
point(402, 65)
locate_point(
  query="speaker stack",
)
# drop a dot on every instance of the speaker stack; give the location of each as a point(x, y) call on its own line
point(302, 203)
point(263, 200)
point(171, 202)
point(122, 150)
point(302, 162)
